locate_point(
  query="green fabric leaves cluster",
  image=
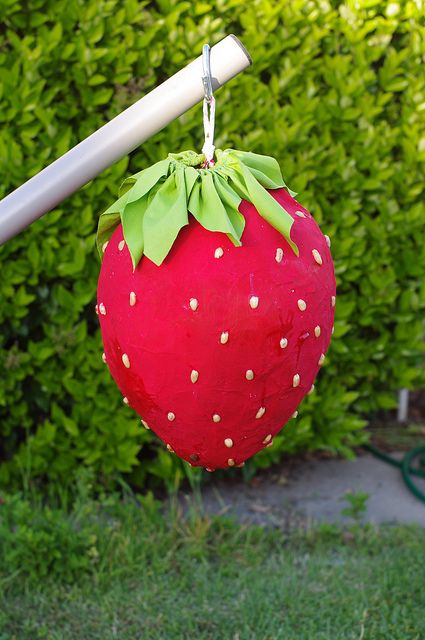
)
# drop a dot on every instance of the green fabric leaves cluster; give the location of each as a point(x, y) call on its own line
point(155, 203)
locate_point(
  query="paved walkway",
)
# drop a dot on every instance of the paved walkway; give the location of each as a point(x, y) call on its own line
point(314, 492)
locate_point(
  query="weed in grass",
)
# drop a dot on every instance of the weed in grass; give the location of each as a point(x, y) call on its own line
point(357, 505)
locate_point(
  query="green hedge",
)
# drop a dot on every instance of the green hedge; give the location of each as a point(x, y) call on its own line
point(336, 93)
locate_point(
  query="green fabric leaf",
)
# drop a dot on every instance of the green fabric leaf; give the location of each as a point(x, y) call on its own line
point(165, 216)
point(132, 225)
point(231, 202)
point(264, 166)
point(150, 177)
point(154, 204)
point(268, 207)
point(191, 175)
point(265, 169)
point(207, 207)
point(109, 220)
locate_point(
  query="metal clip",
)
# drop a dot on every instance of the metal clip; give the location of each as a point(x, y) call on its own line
point(206, 66)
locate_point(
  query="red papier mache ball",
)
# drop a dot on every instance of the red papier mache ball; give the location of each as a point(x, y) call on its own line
point(216, 347)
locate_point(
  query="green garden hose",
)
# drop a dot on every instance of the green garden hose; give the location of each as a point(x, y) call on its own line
point(408, 471)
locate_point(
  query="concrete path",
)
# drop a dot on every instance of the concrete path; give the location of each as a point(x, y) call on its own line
point(314, 492)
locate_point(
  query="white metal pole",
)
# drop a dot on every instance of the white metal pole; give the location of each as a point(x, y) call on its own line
point(403, 405)
point(118, 137)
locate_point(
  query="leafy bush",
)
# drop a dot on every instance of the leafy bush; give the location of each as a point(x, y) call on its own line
point(336, 93)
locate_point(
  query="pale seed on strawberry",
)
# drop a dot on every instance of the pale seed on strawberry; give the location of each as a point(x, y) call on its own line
point(302, 305)
point(261, 411)
point(253, 302)
point(317, 256)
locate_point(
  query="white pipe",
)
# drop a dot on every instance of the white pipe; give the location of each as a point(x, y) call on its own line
point(118, 137)
point(403, 405)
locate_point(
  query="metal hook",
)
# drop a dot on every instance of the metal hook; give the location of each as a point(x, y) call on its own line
point(206, 66)
point(208, 108)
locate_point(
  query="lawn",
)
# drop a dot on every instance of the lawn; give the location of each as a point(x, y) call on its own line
point(117, 567)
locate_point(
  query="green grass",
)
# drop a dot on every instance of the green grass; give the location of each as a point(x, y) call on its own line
point(118, 568)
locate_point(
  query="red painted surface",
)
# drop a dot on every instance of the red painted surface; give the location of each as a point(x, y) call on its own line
point(165, 340)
